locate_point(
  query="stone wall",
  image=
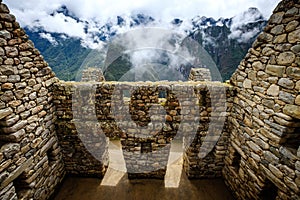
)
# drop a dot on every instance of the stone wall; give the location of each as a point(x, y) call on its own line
point(90, 113)
point(30, 158)
point(263, 158)
point(92, 74)
point(200, 74)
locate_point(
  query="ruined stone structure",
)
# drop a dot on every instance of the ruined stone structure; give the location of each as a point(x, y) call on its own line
point(147, 146)
point(50, 128)
point(31, 164)
point(263, 152)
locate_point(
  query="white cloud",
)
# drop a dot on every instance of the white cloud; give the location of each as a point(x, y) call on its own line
point(237, 32)
point(36, 13)
point(164, 10)
point(48, 37)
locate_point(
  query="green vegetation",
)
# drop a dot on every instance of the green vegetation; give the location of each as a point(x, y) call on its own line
point(68, 56)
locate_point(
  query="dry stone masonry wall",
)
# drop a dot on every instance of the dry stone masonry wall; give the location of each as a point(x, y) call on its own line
point(92, 74)
point(200, 74)
point(264, 155)
point(30, 158)
point(145, 132)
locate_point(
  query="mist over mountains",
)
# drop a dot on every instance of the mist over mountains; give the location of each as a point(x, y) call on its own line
point(226, 40)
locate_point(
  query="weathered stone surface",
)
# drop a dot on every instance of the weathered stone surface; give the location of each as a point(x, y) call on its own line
point(11, 51)
point(276, 18)
point(275, 70)
point(293, 72)
point(5, 112)
point(15, 128)
point(286, 83)
point(265, 37)
point(44, 71)
point(292, 110)
point(14, 78)
point(276, 171)
point(14, 137)
point(5, 34)
point(268, 51)
point(273, 90)
point(286, 58)
point(296, 49)
point(258, 66)
point(7, 70)
point(287, 97)
point(294, 36)
point(4, 8)
point(247, 83)
point(297, 100)
point(291, 26)
point(270, 157)
point(10, 149)
point(268, 102)
point(277, 29)
point(280, 39)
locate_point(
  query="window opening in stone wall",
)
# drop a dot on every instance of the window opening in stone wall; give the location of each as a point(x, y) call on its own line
point(236, 161)
point(22, 188)
point(269, 191)
point(146, 147)
point(126, 93)
point(290, 143)
point(162, 94)
point(51, 157)
point(202, 99)
point(292, 140)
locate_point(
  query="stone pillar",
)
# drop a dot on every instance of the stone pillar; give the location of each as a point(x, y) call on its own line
point(200, 74)
point(92, 74)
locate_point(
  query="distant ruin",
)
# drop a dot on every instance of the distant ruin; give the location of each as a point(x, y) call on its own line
point(48, 130)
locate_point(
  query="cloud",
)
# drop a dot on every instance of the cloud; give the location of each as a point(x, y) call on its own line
point(48, 37)
point(41, 13)
point(238, 29)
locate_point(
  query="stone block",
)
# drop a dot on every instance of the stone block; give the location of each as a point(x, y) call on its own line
point(276, 171)
point(273, 90)
point(292, 110)
point(293, 72)
point(287, 97)
point(5, 112)
point(286, 83)
point(286, 58)
point(275, 70)
point(294, 36)
point(276, 18)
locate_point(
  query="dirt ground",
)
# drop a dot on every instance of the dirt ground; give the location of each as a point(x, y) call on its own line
point(75, 188)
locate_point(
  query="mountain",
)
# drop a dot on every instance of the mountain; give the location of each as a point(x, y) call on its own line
point(226, 40)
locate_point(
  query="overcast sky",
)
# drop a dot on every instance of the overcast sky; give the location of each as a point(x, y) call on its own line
point(34, 13)
point(163, 9)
